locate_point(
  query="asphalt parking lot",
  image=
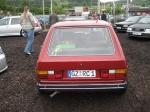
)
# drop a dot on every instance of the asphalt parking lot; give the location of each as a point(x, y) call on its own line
point(18, 91)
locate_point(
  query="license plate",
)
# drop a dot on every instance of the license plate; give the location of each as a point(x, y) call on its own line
point(81, 73)
point(136, 33)
point(118, 27)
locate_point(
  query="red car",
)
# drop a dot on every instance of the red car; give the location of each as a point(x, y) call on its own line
point(81, 55)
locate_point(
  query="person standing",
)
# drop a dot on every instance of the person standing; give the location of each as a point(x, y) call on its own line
point(1, 14)
point(95, 16)
point(8, 14)
point(53, 18)
point(28, 24)
point(103, 17)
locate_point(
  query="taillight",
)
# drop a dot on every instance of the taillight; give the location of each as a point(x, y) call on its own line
point(42, 74)
point(36, 25)
point(49, 74)
point(118, 73)
point(104, 74)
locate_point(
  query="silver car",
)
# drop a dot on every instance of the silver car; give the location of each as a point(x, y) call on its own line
point(75, 18)
point(3, 63)
point(9, 26)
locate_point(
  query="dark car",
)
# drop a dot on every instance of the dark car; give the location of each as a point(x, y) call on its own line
point(140, 29)
point(81, 56)
point(122, 26)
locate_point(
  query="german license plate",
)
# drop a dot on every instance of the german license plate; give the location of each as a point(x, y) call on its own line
point(81, 73)
point(118, 27)
point(136, 33)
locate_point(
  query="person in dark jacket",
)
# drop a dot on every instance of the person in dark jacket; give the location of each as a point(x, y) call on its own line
point(1, 14)
point(53, 18)
point(103, 17)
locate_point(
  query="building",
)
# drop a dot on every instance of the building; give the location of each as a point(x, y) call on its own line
point(139, 11)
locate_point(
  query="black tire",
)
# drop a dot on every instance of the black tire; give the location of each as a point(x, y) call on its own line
point(22, 33)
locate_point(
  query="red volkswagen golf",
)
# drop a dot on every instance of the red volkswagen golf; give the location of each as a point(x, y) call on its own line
point(81, 56)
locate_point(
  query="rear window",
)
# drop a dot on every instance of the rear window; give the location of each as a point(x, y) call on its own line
point(81, 42)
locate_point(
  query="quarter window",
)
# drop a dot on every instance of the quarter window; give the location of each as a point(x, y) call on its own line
point(14, 21)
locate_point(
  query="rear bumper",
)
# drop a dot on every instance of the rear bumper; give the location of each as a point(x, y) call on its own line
point(121, 29)
point(66, 87)
point(37, 29)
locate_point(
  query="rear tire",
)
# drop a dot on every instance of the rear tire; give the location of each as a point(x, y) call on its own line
point(22, 33)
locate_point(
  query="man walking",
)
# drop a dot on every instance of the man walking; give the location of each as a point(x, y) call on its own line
point(103, 17)
point(1, 14)
point(53, 18)
point(8, 14)
point(95, 16)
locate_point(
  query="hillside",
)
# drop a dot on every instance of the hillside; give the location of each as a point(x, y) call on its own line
point(71, 3)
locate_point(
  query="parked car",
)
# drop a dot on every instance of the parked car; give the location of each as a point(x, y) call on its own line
point(61, 17)
point(120, 18)
point(122, 26)
point(10, 26)
point(111, 19)
point(75, 18)
point(140, 29)
point(3, 63)
point(81, 56)
point(42, 19)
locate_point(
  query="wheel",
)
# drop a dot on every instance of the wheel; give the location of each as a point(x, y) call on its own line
point(22, 33)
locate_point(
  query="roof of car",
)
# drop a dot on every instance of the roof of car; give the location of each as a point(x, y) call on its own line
point(147, 16)
point(82, 23)
point(11, 16)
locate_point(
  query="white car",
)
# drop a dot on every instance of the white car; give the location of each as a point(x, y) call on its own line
point(9, 26)
point(3, 63)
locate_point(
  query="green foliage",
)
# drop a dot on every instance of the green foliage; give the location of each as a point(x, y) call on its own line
point(84, 3)
point(16, 6)
point(24, 3)
point(143, 4)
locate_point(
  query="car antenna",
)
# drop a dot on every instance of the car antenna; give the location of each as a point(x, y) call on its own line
point(96, 20)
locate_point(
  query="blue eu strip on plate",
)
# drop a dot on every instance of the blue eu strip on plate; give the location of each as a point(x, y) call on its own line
point(69, 73)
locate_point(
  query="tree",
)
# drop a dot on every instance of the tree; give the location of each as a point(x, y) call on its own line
point(84, 3)
point(3, 4)
point(24, 3)
point(143, 4)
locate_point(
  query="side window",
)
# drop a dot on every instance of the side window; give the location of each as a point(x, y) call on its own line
point(4, 22)
point(14, 21)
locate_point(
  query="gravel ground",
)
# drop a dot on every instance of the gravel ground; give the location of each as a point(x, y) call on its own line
point(18, 91)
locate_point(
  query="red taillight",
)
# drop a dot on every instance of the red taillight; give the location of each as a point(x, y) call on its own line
point(58, 75)
point(43, 77)
point(119, 75)
point(36, 25)
point(104, 74)
point(116, 73)
point(44, 74)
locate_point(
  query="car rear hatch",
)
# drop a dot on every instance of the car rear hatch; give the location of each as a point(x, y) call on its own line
point(82, 69)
